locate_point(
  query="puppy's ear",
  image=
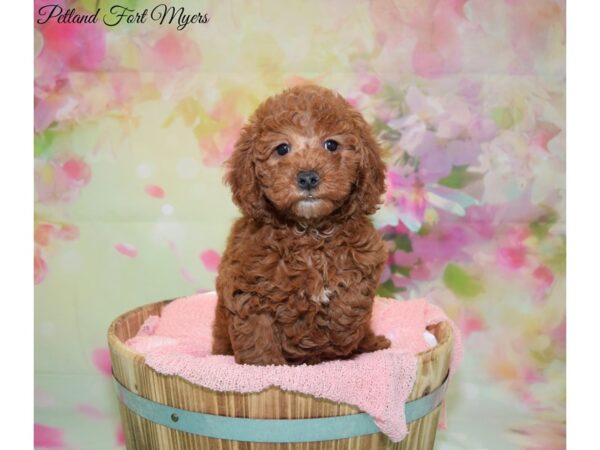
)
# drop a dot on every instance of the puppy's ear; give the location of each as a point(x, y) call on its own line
point(241, 175)
point(371, 173)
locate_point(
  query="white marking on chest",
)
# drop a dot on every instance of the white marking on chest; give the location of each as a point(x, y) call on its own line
point(323, 297)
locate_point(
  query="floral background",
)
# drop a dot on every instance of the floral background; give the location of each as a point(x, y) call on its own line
point(133, 122)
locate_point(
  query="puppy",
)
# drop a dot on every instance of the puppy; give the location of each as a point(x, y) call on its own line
point(298, 275)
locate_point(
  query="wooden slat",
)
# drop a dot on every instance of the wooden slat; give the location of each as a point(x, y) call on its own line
point(131, 371)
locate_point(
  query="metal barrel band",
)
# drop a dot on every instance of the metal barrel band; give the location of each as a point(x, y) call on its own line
point(269, 430)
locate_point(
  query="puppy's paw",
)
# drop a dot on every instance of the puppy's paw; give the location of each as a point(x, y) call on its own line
point(372, 343)
point(381, 343)
point(260, 360)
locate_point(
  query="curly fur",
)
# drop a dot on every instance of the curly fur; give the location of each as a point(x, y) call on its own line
point(298, 276)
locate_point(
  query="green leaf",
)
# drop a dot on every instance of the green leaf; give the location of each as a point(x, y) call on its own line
point(386, 289)
point(557, 261)
point(402, 270)
point(540, 227)
point(42, 142)
point(402, 242)
point(507, 116)
point(461, 283)
point(459, 178)
point(104, 5)
point(425, 230)
point(89, 5)
point(502, 117)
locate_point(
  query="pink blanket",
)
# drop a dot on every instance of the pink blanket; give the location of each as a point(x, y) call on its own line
point(179, 343)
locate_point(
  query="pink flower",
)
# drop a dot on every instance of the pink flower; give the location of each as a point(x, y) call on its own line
point(469, 324)
point(77, 171)
point(447, 242)
point(511, 258)
point(411, 205)
point(154, 191)
point(126, 249)
point(531, 375)
point(90, 411)
point(60, 180)
point(400, 281)
point(210, 259)
point(40, 268)
point(42, 234)
point(101, 359)
point(387, 19)
point(421, 272)
point(438, 48)
point(73, 46)
point(427, 60)
point(544, 133)
point(531, 25)
point(412, 197)
point(41, 3)
point(67, 232)
point(44, 112)
point(404, 259)
point(218, 148)
point(559, 334)
point(174, 51)
point(47, 437)
point(354, 101)
point(479, 218)
point(544, 276)
point(370, 84)
point(441, 132)
point(120, 436)
point(64, 48)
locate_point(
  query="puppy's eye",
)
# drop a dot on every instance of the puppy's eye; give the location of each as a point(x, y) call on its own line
point(282, 149)
point(330, 145)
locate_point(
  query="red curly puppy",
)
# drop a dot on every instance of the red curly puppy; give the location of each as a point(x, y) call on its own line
point(298, 276)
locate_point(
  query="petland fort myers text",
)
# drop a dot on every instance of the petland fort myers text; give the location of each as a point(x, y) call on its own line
point(118, 14)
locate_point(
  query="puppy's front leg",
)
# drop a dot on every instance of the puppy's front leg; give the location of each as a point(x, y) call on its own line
point(351, 316)
point(254, 340)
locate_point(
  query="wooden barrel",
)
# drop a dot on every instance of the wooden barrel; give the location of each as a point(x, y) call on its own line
point(137, 380)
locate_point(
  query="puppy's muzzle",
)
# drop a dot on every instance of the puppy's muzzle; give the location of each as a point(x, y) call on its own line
point(308, 179)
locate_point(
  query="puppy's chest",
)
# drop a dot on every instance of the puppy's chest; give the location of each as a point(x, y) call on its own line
point(316, 271)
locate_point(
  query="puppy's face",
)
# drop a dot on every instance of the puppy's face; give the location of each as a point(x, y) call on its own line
point(307, 165)
point(308, 152)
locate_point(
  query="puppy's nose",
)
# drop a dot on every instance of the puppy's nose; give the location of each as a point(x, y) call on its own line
point(308, 179)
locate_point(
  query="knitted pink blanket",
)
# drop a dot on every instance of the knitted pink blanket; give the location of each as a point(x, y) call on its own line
point(179, 342)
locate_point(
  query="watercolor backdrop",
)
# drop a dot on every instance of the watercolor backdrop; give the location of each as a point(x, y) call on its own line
point(133, 122)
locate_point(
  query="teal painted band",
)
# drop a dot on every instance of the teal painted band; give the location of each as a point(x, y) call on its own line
point(269, 430)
